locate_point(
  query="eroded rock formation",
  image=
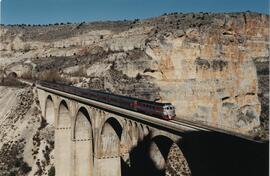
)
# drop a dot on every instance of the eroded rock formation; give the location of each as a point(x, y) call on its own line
point(205, 64)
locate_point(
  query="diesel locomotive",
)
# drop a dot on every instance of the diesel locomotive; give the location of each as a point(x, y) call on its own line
point(161, 110)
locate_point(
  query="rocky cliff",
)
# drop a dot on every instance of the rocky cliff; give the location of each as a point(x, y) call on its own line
point(212, 67)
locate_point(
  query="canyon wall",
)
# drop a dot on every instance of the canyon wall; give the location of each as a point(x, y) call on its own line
point(211, 67)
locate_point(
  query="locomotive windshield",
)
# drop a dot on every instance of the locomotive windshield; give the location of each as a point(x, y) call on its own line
point(169, 107)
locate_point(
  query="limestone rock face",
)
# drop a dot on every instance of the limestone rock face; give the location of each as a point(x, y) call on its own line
point(205, 64)
point(209, 73)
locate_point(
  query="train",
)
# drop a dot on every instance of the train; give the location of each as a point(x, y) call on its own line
point(164, 111)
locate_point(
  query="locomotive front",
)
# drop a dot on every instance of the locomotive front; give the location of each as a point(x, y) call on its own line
point(169, 112)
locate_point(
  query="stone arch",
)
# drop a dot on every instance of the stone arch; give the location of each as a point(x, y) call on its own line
point(49, 110)
point(126, 140)
point(128, 123)
point(111, 133)
point(82, 125)
point(146, 130)
point(83, 144)
point(140, 141)
point(109, 147)
point(134, 134)
point(63, 157)
point(64, 115)
point(12, 75)
point(125, 146)
point(159, 150)
point(141, 132)
point(167, 157)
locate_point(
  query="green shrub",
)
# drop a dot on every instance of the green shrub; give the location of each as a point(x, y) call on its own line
point(51, 171)
point(25, 167)
point(12, 174)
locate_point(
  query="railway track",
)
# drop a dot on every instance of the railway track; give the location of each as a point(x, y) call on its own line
point(223, 130)
point(176, 125)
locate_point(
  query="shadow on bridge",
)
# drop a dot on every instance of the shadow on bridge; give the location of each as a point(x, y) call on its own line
point(213, 154)
point(141, 163)
point(208, 154)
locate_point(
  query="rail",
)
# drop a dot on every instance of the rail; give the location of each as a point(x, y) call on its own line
point(179, 125)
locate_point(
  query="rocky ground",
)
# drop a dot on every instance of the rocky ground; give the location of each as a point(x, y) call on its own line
point(27, 143)
point(174, 167)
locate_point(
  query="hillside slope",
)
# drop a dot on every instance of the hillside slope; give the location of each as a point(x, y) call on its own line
point(26, 141)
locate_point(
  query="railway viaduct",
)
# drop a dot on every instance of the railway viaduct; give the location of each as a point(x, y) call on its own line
point(97, 139)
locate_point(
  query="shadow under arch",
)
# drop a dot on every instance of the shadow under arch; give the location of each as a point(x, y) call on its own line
point(151, 156)
point(115, 124)
point(49, 110)
point(163, 144)
point(159, 149)
point(83, 143)
point(141, 156)
point(13, 75)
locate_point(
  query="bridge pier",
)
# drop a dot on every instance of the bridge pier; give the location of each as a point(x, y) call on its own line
point(63, 148)
point(108, 166)
point(82, 158)
point(83, 144)
point(63, 152)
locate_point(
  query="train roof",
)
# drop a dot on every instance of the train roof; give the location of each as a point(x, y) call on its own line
point(94, 90)
point(132, 98)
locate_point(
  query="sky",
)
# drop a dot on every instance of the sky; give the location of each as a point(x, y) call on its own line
point(52, 11)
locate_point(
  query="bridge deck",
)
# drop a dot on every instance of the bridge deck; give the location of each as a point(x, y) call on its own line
point(179, 125)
